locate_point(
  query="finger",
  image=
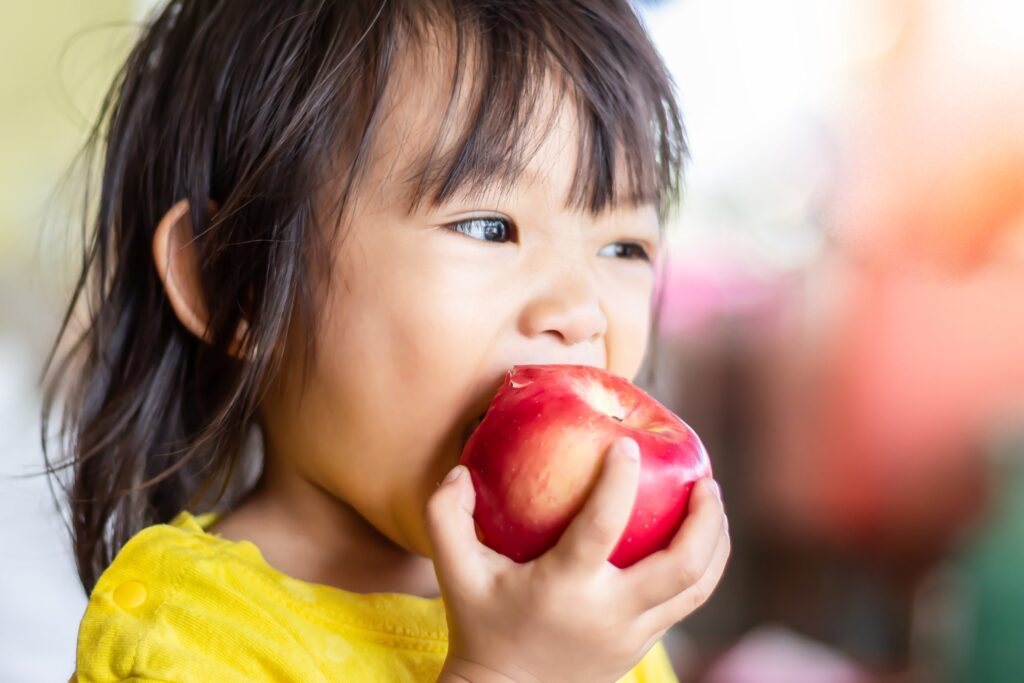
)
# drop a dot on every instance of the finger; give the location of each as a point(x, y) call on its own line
point(666, 573)
point(595, 531)
point(458, 554)
point(681, 606)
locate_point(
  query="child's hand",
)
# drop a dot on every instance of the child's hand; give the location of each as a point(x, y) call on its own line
point(570, 615)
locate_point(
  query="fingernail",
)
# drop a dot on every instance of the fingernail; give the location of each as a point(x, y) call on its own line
point(630, 449)
point(453, 475)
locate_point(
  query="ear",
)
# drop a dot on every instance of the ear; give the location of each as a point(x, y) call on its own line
point(177, 263)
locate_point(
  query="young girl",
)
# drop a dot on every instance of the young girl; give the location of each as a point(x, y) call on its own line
point(335, 224)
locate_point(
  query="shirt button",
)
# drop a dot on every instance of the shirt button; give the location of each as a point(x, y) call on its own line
point(130, 594)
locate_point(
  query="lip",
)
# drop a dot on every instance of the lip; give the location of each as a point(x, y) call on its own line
point(471, 427)
point(485, 392)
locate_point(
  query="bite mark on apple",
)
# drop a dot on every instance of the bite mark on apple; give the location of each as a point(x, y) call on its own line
point(602, 399)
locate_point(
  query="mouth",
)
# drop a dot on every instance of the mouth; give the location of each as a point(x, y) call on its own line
point(471, 427)
point(482, 404)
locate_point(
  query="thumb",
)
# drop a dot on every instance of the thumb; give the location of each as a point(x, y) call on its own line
point(452, 531)
point(595, 531)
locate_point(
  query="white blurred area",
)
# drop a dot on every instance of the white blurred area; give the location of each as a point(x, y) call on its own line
point(771, 90)
point(811, 123)
point(57, 56)
point(40, 599)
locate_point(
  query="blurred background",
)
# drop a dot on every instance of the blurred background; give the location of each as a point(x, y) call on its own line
point(843, 323)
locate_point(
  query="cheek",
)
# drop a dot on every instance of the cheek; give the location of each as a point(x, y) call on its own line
point(401, 352)
point(398, 359)
point(628, 307)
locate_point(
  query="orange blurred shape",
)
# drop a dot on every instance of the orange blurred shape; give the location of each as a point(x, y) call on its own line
point(933, 146)
point(923, 370)
point(924, 356)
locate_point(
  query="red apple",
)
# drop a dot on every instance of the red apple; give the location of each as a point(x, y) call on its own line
point(538, 452)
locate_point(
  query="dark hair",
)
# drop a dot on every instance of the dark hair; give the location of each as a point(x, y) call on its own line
point(265, 107)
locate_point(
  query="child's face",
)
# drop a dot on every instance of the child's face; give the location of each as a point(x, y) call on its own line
point(423, 321)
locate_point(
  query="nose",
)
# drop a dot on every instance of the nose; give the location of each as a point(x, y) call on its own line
point(566, 307)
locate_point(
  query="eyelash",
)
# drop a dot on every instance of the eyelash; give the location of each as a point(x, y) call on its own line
point(484, 227)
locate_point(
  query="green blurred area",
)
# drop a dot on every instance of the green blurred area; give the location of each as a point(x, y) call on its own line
point(59, 57)
point(992, 567)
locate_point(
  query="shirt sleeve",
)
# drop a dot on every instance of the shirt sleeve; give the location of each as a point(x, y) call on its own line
point(162, 613)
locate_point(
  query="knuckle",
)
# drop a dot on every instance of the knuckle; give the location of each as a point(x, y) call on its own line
point(688, 603)
point(701, 593)
point(550, 579)
point(545, 576)
point(504, 583)
point(687, 574)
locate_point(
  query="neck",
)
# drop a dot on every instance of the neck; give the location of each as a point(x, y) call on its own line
point(305, 532)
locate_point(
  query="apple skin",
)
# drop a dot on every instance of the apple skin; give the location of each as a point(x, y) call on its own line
point(538, 452)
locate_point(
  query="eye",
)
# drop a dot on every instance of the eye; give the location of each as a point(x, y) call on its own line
point(487, 229)
point(630, 251)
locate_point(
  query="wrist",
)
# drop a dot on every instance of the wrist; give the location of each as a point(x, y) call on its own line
point(460, 670)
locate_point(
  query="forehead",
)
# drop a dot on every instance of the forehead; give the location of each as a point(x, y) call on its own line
point(450, 130)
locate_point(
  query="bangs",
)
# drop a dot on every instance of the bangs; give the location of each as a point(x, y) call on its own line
point(505, 62)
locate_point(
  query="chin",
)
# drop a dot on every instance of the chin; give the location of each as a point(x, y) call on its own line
point(421, 545)
point(414, 537)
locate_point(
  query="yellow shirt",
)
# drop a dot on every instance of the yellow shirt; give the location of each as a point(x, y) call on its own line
point(179, 604)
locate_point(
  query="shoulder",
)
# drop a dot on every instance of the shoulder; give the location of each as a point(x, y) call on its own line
point(180, 604)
